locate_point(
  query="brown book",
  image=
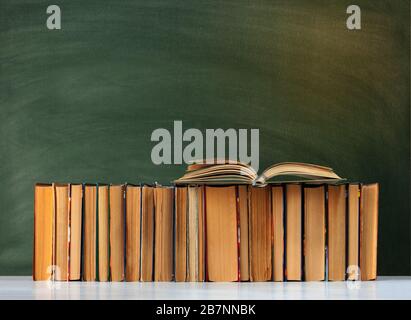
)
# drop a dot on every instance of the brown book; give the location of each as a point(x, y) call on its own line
point(117, 233)
point(336, 233)
point(89, 233)
point(192, 235)
point(260, 234)
point(243, 208)
point(76, 208)
point(369, 231)
point(181, 211)
point(196, 252)
point(147, 233)
point(62, 230)
point(201, 234)
point(103, 234)
point(133, 227)
point(221, 239)
point(277, 195)
point(163, 244)
point(43, 231)
point(314, 233)
point(353, 232)
point(293, 232)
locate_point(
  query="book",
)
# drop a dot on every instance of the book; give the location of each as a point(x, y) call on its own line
point(192, 235)
point(314, 233)
point(293, 255)
point(103, 234)
point(117, 232)
point(62, 232)
point(147, 234)
point(201, 234)
point(234, 172)
point(43, 257)
point(260, 234)
point(195, 235)
point(133, 232)
point(353, 232)
point(89, 233)
point(277, 196)
point(336, 233)
point(163, 244)
point(76, 209)
point(181, 212)
point(369, 231)
point(243, 209)
point(221, 237)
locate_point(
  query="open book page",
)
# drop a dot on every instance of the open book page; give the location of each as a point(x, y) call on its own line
point(219, 173)
point(311, 172)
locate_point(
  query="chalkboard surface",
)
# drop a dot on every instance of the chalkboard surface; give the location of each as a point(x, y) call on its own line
point(80, 103)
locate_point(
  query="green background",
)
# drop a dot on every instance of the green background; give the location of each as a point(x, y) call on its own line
point(79, 104)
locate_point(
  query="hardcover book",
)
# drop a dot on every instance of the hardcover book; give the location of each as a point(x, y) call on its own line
point(117, 232)
point(163, 243)
point(369, 231)
point(336, 233)
point(277, 196)
point(76, 217)
point(90, 233)
point(260, 234)
point(180, 238)
point(294, 233)
point(62, 232)
point(43, 256)
point(103, 233)
point(222, 233)
point(147, 233)
point(314, 233)
point(133, 232)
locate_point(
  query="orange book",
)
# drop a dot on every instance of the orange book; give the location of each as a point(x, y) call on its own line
point(243, 208)
point(103, 234)
point(195, 235)
point(133, 226)
point(147, 234)
point(260, 234)
point(221, 219)
point(293, 232)
point(163, 249)
point(314, 233)
point(62, 232)
point(201, 234)
point(278, 232)
point(181, 212)
point(89, 233)
point(336, 233)
point(76, 207)
point(369, 231)
point(43, 231)
point(117, 233)
point(353, 232)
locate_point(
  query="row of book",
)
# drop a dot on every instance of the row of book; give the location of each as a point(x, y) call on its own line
point(286, 232)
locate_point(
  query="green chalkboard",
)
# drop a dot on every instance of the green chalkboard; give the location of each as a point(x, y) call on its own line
point(80, 103)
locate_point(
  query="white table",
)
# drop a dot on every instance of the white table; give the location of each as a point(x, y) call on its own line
point(383, 288)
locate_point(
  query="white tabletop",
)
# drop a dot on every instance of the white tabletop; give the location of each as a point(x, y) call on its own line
point(383, 288)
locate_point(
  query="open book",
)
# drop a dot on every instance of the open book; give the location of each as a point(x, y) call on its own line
point(233, 172)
